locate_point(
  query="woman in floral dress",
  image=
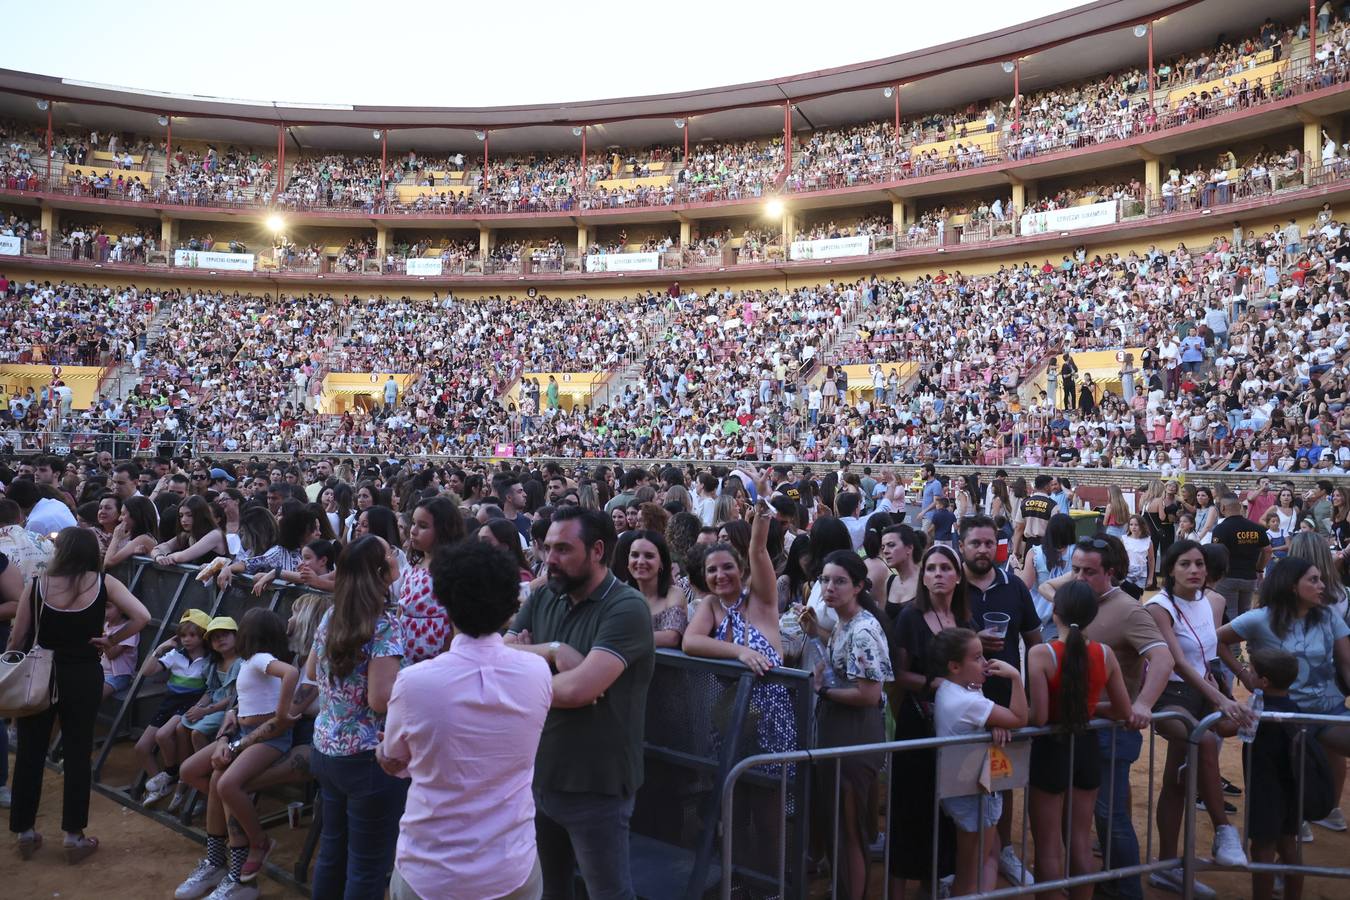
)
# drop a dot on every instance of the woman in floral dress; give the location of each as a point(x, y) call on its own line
point(426, 630)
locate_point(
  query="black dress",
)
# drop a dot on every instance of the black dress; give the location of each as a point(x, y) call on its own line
point(912, 794)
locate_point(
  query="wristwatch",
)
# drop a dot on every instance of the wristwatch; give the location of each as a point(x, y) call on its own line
point(552, 655)
point(235, 746)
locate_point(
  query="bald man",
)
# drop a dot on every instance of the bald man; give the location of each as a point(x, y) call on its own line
point(1248, 552)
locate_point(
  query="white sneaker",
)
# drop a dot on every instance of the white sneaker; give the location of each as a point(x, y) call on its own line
point(1335, 820)
point(1012, 868)
point(1228, 847)
point(176, 801)
point(6, 798)
point(233, 889)
point(1305, 834)
point(201, 882)
point(1172, 880)
point(157, 788)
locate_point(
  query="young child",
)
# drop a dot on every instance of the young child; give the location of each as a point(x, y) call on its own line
point(198, 726)
point(942, 525)
point(1066, 679)
point(185, 657)
point(119, 660)
point(1272, 778)
point(961, 708)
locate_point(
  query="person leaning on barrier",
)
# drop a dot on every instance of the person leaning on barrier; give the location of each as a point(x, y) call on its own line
point(1145, 662)
point(596, 632)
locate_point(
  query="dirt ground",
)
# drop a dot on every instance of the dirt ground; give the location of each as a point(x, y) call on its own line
point(142, 858)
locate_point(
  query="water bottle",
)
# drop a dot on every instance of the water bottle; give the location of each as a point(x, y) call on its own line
point(1255, 706)
point(815, 653)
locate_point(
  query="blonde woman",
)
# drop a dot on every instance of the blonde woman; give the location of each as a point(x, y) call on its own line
point(1117, 512)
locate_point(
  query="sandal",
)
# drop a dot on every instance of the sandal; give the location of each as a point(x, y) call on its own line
point(253, 866)
point(81, 849)
point(29, 845)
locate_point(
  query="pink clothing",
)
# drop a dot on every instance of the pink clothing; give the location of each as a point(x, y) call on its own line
point(465, 726)
point(425, 625)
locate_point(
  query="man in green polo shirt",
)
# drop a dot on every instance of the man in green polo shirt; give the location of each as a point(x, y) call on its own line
point(596, 633)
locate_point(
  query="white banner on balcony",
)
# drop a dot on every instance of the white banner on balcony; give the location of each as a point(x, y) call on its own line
point(623, 262)
point(1090, 216)
point(424, 266)
point(831, 248)
point(204, 259)
point(10, 246)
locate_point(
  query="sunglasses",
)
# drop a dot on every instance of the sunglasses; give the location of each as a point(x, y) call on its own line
point(1092, 544)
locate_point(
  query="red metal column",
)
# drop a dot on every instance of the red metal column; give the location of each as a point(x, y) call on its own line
point(787, 137)
point(487, 141)
point(584, 129)
point(49, 146)
point(281, 159)
point(1150, 67)
point(687, 123)
point(384, 154)
point(168, 144)
point(1017, 94)
point(897, 116)
point(1312, 32)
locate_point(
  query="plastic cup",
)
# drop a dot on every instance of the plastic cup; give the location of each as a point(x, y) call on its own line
point(996, 623)
point(294, 809)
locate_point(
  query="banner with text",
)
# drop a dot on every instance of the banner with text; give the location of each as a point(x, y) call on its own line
point(422, 266)
point(205, 259)
point(1092, 215)
point(831, 248)
point(623, 262)
point(10, 245)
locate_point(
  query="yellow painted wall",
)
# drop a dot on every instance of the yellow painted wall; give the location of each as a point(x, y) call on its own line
point(574, 388)
point(340, 389)
point(1100, 364)
point(82, 380)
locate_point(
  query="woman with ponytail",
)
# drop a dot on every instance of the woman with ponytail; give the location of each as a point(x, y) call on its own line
point(849, 685)
point(1066, 678)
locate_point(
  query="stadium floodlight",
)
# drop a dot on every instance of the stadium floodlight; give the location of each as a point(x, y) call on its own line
point(1140, 30)
point(481, 135)
point(576, 131)
point(1009, 65)
point(377, 134)
point(774, 208)
point(163, 120)
point(889, 92)
point(276, 223)
point(43, 105)
point(679, 123)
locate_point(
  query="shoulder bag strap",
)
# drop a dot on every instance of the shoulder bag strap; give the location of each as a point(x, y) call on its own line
point(35, 598)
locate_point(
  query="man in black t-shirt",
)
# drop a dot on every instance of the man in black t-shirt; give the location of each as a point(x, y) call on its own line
point(1248, 552)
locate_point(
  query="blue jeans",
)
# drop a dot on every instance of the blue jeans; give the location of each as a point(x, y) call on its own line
point(1113, 808)
point(361, 809)
point(587, 832)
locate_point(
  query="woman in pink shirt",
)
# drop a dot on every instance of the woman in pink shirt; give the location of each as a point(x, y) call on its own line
point(465, 727)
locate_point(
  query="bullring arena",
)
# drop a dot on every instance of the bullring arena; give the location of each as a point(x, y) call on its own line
point(919, 477)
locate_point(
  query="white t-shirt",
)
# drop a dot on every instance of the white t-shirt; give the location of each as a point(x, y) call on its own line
point(1193, 622)
point(258, 691)
point(960, 710)
point(49, 516)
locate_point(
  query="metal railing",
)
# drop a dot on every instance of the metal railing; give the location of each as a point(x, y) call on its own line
point(786, 878)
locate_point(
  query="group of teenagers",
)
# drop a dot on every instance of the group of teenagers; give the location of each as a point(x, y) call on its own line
point(542, 594)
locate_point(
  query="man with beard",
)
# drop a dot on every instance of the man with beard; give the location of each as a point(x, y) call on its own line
point(992, 590)
point(596, 634)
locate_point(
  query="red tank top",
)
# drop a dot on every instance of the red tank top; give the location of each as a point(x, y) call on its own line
point(1096, 677)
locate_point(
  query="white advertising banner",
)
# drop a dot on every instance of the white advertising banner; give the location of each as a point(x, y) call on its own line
point(423, 266)
point(1071, 219)
point(831, 248)
point(10, 245)
point(623, 262)
point(203, 259)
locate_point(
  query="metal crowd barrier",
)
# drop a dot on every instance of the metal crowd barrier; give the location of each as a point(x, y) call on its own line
point(791, 876)
point(1190, 865)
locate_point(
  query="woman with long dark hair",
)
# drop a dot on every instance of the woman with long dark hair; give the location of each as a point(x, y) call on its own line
point(199, 538)
point(135, 532)
point(647, 567)
point(358, 650)
point(941, 602)
point(1047, 561)
point(436, 523)
point(901, 547)
point(63, 611)
point(849, 684)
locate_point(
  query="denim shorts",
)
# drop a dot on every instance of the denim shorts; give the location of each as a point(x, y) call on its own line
point(118, 683)
point(281, 743)
point(208, 724)
point(965, 811)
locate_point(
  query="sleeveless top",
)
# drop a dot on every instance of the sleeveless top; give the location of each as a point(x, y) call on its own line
point(1096, 677)
point(67, 632)
point(1193, 622)
point(425, 624)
